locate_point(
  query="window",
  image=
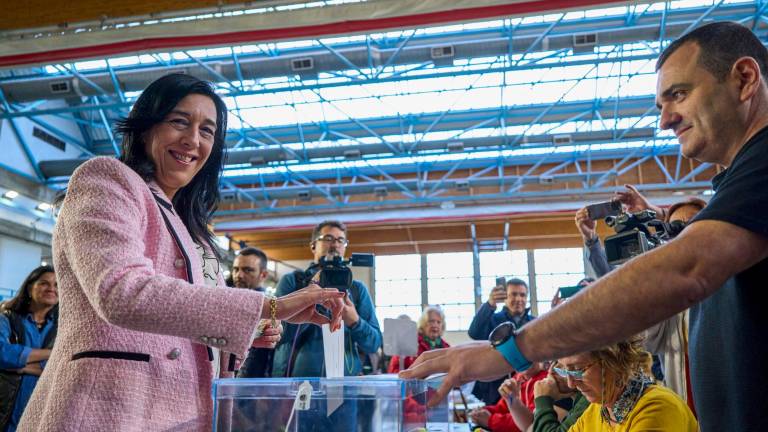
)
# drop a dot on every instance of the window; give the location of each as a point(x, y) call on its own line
point(450, 284)
point(510, 264)
point(398, 286)
point(556, 268)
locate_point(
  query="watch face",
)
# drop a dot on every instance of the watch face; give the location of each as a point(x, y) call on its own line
point(502, 333)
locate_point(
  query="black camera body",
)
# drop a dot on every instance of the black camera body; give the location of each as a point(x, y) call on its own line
point(637, 233)
point(335, 271)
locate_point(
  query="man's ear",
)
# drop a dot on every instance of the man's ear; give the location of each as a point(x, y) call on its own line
point(747, 72)
point(312, 246)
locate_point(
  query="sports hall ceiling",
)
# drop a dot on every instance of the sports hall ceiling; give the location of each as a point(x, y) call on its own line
point(375, 111)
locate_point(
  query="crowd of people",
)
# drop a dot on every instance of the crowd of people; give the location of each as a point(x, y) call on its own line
point(146, 322)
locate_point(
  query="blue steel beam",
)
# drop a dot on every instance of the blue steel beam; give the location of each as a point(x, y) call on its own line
point(696, 171)
point(463, 198)
point(108, 130)
point(400, 167)
point(22, 141)
point(115, 82)
point(729, 12)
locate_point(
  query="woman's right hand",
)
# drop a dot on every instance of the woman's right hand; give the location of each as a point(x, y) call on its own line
point(299, 306)
point(509, 389)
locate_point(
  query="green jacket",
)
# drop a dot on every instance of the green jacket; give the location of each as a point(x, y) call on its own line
point(545, 416)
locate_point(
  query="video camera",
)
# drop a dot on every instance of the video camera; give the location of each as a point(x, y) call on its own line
point(335, 271)
point(637, 233)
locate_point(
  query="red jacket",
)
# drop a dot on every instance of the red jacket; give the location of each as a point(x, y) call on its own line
point(501, 420)
point(394, 364)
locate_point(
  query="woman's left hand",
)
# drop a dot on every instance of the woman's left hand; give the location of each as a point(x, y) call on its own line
point(299, 306)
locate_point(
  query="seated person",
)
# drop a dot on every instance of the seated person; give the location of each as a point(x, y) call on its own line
point(622, 395)
point(558, 405)
point(431, 329)
point(551, 414)
point(514, 411)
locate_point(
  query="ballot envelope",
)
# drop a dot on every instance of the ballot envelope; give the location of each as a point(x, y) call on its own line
point(362, 403)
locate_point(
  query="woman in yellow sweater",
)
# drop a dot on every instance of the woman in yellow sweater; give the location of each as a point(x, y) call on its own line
point(622, 395)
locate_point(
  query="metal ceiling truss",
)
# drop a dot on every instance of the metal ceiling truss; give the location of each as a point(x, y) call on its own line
point(279, 168)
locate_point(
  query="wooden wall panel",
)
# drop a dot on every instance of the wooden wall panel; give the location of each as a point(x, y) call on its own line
point(45, 13)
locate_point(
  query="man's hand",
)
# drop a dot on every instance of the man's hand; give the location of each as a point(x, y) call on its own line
point(587, 227)
point(463, 363)
point(556, 300)
point(498, 294)
point(480, 417)
point(349, 314)
point(509, 389)
point(269, 337)
point(635, 201)
point(552, 386)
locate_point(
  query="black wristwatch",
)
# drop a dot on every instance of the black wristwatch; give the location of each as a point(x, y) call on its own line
point(503, 340)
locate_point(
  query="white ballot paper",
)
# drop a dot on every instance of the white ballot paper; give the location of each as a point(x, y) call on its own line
point(333, 350)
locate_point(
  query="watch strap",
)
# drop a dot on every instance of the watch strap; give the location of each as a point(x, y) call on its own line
point(512, 355)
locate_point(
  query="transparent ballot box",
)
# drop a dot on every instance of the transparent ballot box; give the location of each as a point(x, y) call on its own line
point(369, 403)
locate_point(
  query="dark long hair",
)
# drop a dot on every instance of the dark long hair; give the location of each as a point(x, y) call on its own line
point(21, 302)
point(195, 202)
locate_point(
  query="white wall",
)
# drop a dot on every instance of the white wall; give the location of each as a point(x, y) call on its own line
point(17, 259)
point(13, 153)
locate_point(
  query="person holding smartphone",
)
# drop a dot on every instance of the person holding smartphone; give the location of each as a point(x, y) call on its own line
point(513, 293)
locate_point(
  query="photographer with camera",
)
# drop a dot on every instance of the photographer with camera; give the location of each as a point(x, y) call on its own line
point(300, 352)
point(637, 209)
point(669, 338)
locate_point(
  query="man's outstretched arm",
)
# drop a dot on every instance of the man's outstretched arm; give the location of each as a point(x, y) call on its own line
point(644, 291)
point(651, 288)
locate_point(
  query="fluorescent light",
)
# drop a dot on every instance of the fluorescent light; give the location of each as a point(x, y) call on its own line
point(11, 194)
point(43, 207)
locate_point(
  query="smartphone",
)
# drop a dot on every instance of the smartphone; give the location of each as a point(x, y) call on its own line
point(501, 281)
point(569, 291)
point(603, 209)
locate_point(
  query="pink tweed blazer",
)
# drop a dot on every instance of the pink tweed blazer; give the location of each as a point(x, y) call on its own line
point(123, 289)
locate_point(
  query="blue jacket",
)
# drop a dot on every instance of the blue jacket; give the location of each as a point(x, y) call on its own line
point(597, 258)
point(302, 344)
point(14, 356)
point(486, 320)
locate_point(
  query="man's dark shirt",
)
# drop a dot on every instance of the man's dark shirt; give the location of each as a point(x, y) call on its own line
point(728, 349)
point(258, 363)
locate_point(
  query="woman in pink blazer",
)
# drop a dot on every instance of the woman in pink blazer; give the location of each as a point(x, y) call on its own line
point(139, 304)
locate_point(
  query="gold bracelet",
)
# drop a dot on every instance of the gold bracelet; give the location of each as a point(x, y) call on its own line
point(273, 311)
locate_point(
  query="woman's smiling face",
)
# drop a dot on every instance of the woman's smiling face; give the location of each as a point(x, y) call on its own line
point(180, 145)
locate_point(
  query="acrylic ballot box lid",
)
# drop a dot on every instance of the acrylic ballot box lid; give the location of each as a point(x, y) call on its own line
point(365, 403)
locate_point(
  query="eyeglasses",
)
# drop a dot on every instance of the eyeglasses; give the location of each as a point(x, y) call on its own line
point(331, 239)
point(577, 374)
